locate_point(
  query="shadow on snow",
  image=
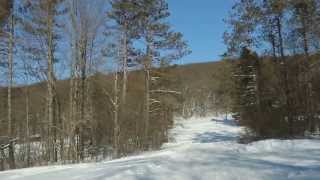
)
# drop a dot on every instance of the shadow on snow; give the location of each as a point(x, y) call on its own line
point(226, 122)
point(211, 137)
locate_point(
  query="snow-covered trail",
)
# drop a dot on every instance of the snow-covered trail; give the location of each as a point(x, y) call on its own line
point(200, 148)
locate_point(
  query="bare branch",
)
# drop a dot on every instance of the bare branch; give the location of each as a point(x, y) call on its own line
point(166, 92)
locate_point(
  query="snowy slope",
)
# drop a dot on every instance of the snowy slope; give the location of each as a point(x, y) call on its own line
point(203, 148)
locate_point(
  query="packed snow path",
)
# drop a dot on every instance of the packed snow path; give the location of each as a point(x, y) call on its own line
point(200, 148)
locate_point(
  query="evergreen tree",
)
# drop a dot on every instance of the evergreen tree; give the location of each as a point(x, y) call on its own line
point(125, 13)
point(246, 94)
point(161, 44)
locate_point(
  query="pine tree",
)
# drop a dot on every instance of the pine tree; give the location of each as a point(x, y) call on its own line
point(246, 97)
point(161, 44)
point(125, 13)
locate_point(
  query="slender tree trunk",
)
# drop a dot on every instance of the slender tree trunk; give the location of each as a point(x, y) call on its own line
point(10, 73)
point(2, 159)
point(89, 101)
point(83, 78)
point(305, 34)
point(72, 112)
point(12, 164)
point(50, 82)
point(57, 125)
point(147, 93)
point(125, 68)
point(74, 89)
point(83, 69)
point(279, 28)
point(116, 130)
point(147, 104)
point(273, 44)
point(284, 73)
point(10, 84)
point(28, 128)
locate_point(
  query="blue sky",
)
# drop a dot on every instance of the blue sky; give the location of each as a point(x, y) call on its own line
point(201, 22)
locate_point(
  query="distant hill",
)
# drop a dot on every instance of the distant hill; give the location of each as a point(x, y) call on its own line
point(195, 77)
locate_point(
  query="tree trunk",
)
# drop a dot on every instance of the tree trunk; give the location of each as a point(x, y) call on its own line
point(2, 159)
point(28, 127)
point(83, 78)
point(116, 130)
point(10, 84)
point(305, 34)
point(12, 164)
point(10, 73)
point(72, 113)
point(284, 78)
point(279, 29)
point(50, 83)
point(125, 68)
point(147, 99)
point(73, 95)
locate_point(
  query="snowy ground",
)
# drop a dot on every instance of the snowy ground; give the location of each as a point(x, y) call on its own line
point(199, 149)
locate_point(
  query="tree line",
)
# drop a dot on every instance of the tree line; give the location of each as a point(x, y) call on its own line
point(54, 54)
point(276, 75)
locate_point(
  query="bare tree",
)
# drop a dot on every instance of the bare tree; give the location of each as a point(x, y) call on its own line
point(86, 21)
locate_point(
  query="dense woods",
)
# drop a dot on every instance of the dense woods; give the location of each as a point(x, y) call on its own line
point(276, 79)
point(85, 81)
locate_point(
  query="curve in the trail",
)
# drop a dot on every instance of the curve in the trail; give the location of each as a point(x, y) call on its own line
point(199, 149)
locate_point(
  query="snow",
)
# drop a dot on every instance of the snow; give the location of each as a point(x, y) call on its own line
point(199, 148)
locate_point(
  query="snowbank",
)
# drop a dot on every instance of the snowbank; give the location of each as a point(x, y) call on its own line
point(283, 145)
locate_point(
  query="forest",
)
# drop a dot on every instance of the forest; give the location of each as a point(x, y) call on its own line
point(70, 93)
point(87, 82)
point(276, 77)
point(84, 84)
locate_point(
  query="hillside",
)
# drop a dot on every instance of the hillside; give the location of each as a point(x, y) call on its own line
point(196, 78)
point(199, 92)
